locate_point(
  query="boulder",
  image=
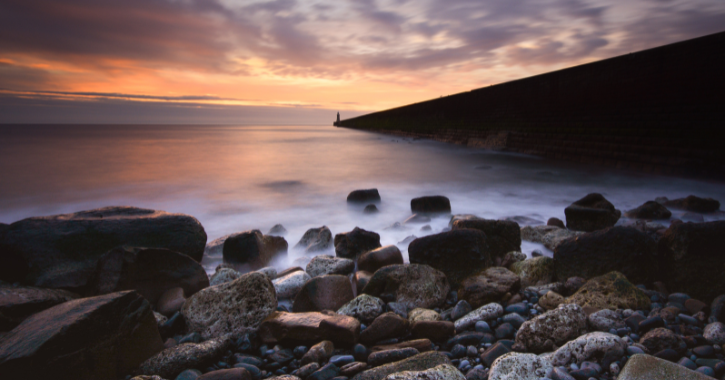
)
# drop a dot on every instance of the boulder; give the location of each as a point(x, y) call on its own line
point(457, 253)
point(172, 361)
point(223, 275)
point(694, 204)
point(646, 367)
point(610, 291)
point(236, 307)
point(270, 272)
point(277, 230)
point(215, 248)
point(420, 362)
point(491, 285)
point(591, 213)
point(149, 271)
point(436, 204)
point(328, 292)
point(551, 300)
point(441, 372)
point(104, 337)
point(380, 257)
point(437, 331)
point(413, 285)
point(486, 312)
point(693, 257)
point(511, 258)
point(622, 249)
point(370, 209)
point(364, 307)
point(600, 347)
point(660, 339)
point(549, 236)
point(351, 244)
point(555, 222)
point(360, 279)
point(252, 250)
point(19, 302)
point(553, 328)
point(502, 236)
point(535, 271)
point(364, 196)
point(289, 285)
point(316, 239)
point(519, 366)
point(386, 326)
point(62, 251)
point(421, 314)
point(605, 320)
point(306, 328)
point(325, 264)
point(715, 333)
point(649, 210)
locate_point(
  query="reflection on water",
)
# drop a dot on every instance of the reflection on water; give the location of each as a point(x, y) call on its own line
point(239, 178)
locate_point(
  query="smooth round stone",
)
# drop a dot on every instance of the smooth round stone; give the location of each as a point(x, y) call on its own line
point(561, 374)
point(253, 370)
point(299, 351)
point(194, 337)
point(707, 371)
point(506, 330)
point(518, 308)
point(471, 351)
point(634, 337)
point(584, 373)
point(341, 360)
point(482, 326)
point(668, 354)
point(594, 366)
point(189, 374)
point(704, 351)
point(633, 350)
point(687, 363)
point(464, 364)
point(514, 319)
point(458, 351)
point(678, 298)
point(688, 319)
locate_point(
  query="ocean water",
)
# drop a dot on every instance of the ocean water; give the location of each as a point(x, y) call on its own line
point(237, 178)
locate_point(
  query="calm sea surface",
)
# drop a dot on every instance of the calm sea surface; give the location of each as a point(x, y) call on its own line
point(236, 178)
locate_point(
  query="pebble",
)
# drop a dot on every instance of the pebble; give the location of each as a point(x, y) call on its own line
point(707, 371)
point(687, 363)
point(518, 308)
point(482, 326)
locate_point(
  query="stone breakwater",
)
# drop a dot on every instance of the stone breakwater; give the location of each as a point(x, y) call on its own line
point(118, 293)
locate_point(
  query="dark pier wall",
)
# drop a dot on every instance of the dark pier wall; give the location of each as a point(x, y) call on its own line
point(660, 110)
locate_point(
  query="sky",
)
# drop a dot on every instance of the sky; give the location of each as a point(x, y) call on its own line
point(301, 61)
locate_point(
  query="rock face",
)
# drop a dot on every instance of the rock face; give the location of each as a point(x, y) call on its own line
point(598, 346)
point(364, 196)
point(104, 337)
point(622, 249)
point(457, 253)
point(646, 367)
point(413, 285)
point(420, 362)
point(19, 302)
point(535, 271)
point(316, 239)
point(328, 292)
point(380, 257)
point(172, 361)
point(149, 271)
point(556, 326)
point(649, 210)
point(62, 251)
point(502, 236)
point(289, 285)
point(235, 307)
point(591, 213)
point(694, 204)
point(693, 256)
point(489, 286)
point(441, 372)
point(306, 328)
point(610, 291)
point(358, 241)
point(364, 307)
point(253, 250)
point(519, 367)
point(325, 264)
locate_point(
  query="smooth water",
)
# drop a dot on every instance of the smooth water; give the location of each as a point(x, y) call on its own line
point(236, 178)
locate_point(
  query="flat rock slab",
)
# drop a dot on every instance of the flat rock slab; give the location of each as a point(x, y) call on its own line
point(646, 367)
point(420, 362)
point(172, 361)
point(20, 302)
point(306, 328)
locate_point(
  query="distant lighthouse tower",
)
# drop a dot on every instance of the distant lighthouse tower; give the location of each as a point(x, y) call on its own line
point(337, 123)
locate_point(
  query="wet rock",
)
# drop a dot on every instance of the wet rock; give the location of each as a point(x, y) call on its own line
point(591, 213)
point(549, 236)
point(420, 362)
point(535, 271)
point(277, 230)
point(441, 372)
point(318, 353)
point(573, 284)
point(661, 339)
point(458, 253)
point(511, 258)
point(227, 374)
point(494, 352)
point(460, 310)
point(62, 251)
point(252, 249)
point(502, 236)
point(388, 356)
point(364, 307)
point(519, 366)
point(556, 222)
point(486, 312)
point(422, 345)
point(605, 320)
point(692, 253)
point(370, 209)
point(488, 286)
point(386, 326)
point(556, 327)
point(172, 361)
point(551, 300)
point(610, 291)
point(305, 328)
point(270, 272)
point(235, 307)
point(349, 245)
point(353, 369)
point(649, 210)
point(601, 347)
point(715, 333)
point(90, 338)
point(378, 258)
point(360, 279)
point(325, 264)
point(364, 196)
point(315, 240)
point(622, 249)
point(694, 203)
point(436, 204)
point(413, 285)
point(223, 275)
point(171, 301)
point(646, 367)
point(19, 302)
point(289, 285)
point(149, 271)
point(437, 331)
point(421, 314)
point(328, 292)
point(417, 219)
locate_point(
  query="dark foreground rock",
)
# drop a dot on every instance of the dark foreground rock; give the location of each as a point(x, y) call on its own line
point(252, 249)
point(646, 367)
point(309, 328)
point(610, 291)
point(172, 361)
point(19, 302)
point(649, 210)
point(149, 271)
point(420, 362)
point(502, 236)
point(413, 285)
point(436, 204)
point(365, 196)
point(591, 213)
point(489, 286)
point(62, 251)
point(356, 242)
point(380, 257)
point(104, 337)
point(694, 204)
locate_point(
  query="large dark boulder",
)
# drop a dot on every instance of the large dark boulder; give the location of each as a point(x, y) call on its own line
point(694, 254)
point(150, 271)
point(364, 196)
point(251, 250)
point(591, 213)
point(62, 251)
point(413, 285)
point(104, 337)
point(458, 253)
point(502, 236)
point(436, 204)
point(649, 210)
point(622, 249)
point(356, 242)
point(19, 302)
point(693, 203)
point(378, 258)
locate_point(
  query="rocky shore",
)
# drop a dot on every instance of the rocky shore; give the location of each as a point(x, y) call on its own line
point(119, 293)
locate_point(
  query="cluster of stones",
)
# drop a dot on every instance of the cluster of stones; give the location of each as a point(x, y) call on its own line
point(119, 293)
